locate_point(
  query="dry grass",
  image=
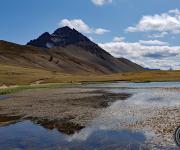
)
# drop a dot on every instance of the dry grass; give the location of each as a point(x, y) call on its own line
point(13, 75)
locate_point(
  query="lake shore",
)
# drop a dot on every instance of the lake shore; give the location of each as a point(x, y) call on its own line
point(70, 109)
point(75, 105)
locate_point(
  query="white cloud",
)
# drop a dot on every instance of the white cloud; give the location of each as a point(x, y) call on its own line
point(101, 2)
point(101, 31)
point(158, 35)
point(81, 26)
point(153, 42)
point(91, 38)
point(165, 22)
point(118, 39)
point(76, 24)
point(152, 54)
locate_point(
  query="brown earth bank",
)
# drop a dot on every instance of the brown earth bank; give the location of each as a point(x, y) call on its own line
point(67, 109)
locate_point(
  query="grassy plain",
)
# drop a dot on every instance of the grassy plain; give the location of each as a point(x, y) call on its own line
point(27, 78)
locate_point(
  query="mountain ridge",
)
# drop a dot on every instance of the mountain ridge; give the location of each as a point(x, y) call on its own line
point(65, 50)
point(66, 36)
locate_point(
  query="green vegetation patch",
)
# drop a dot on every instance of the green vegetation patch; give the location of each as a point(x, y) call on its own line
point(21, 88)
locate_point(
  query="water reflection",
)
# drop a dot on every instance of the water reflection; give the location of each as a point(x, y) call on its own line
point(109, 131)
point(6, 120)
point(63, 126)
point(2, 97)
point(26, 135)
point(126, 85)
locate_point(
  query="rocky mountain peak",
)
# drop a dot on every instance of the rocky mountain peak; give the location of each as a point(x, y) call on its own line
point(61, 37)
point(63, 30)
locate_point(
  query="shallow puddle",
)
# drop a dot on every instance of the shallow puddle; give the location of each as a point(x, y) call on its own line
point(2, 97)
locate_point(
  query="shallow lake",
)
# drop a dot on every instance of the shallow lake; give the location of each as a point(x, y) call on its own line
point(117, 127)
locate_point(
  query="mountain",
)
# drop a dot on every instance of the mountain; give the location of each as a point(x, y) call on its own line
point(65, 36)
point(61, 37)
point(130, 63)
point(67, 51)
point(80, 48)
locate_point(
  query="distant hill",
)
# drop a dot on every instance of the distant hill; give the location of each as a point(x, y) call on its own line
point(67, 51)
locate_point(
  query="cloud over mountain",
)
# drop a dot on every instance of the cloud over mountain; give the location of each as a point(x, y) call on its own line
point(101, 2)
point(152, 54)
point(81, 26)
point(101, 31)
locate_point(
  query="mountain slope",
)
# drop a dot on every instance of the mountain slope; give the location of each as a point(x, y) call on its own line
point(131, 64)
point(28, 56)
point(82, 51)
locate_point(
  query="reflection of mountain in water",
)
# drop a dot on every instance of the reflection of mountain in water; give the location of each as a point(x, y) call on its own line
point(30, 136)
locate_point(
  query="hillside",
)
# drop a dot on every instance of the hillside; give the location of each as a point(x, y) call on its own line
point(83, 52)
point(65, 51)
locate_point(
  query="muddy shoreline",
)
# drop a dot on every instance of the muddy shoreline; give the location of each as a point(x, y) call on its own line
point(67, 109)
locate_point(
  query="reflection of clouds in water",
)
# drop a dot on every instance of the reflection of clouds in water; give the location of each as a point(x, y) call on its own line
point(85, 133)
point(140, 106)
point(100, 123)
point(135, 85)
point(99, 131)
point(156, 98)
point(82, 135)
point(136, 108)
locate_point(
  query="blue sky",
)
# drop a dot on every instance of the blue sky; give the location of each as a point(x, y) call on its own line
point(145, 31)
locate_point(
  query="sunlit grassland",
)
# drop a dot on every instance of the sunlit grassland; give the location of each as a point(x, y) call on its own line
point(23, 77)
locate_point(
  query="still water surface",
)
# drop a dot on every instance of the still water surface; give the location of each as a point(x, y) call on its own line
point(106, 132)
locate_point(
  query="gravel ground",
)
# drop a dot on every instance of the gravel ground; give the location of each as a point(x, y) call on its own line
point(76, 105)
point(156, 112)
